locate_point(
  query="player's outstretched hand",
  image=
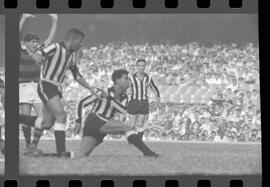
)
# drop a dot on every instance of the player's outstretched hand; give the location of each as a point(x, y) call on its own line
point(54, 16)
point(77, 128)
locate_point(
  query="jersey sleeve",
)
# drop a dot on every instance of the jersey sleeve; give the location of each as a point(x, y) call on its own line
point(48, 50)
point(91, 99)
point(154, 87)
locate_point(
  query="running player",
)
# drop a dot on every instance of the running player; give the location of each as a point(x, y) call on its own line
point(138, 106)
point(30, 72)
point(100, 121)
point(2, 93)
point(58, 58)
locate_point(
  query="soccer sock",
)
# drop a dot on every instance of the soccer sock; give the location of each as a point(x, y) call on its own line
point(37, 136)
point(27, 134)
point(60, 137)
point(134, 139)
point(38, 131)
point(28, 120)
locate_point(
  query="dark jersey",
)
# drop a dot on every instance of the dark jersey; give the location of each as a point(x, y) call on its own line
point(29, 70)
point(105, 109)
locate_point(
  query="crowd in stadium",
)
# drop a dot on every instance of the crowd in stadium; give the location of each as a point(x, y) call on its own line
point(207, 93)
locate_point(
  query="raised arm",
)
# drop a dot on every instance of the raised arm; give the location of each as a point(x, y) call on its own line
point(49, 40)
point(24, 17)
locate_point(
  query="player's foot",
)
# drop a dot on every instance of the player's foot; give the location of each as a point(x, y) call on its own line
point(67, 154)
point(152, 154)
point(33, 151)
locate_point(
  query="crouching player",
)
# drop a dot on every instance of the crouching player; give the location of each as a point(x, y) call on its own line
point(100, 121)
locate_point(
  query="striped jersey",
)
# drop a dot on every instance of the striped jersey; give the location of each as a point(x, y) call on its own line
point(104, 109)
point(29, 70)
point(58, 59)
point(139, 88)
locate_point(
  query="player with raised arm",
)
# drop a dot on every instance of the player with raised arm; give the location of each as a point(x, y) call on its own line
point(57, 58)
point(2, 93)
point(100, 121)
point(30, 71)
point(138, 105)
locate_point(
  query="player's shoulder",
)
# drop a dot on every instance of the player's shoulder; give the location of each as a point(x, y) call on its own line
point(148, 76)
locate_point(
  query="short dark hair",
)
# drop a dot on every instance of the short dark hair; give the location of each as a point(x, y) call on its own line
point(30, 36)
point(117, 74)
point(74, 32)
point(140, 60)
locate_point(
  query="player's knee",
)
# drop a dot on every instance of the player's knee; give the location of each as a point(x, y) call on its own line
point(47, 124)
point(127, 129)
point(61, 118)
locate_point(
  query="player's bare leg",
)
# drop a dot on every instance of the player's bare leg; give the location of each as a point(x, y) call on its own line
point(132, 119)
point(38, 108)
point(41, 123)
point(56, 108)
point(25, 109)
point(140, 124)
point(117, 127)
point(87, 145)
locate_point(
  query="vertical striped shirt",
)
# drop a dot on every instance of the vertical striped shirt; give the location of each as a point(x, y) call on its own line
point(139, 88)
point(105, 109)
point(58, 59)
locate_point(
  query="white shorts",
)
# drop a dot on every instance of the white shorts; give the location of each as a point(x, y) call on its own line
point(28, 93)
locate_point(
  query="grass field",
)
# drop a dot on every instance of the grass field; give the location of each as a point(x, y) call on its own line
point(177, 158)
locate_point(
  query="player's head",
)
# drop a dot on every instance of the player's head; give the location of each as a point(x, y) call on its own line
point(141, 65)
point(121, 79)
point(31, 41)
point(75, 38)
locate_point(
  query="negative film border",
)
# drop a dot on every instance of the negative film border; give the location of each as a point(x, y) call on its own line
point(93, 6)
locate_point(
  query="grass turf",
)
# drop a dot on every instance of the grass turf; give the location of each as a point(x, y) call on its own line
point(177, 158)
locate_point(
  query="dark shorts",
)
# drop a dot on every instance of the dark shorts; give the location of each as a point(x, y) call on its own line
point(47, 90)
point(92, 126)
point(138, 107)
